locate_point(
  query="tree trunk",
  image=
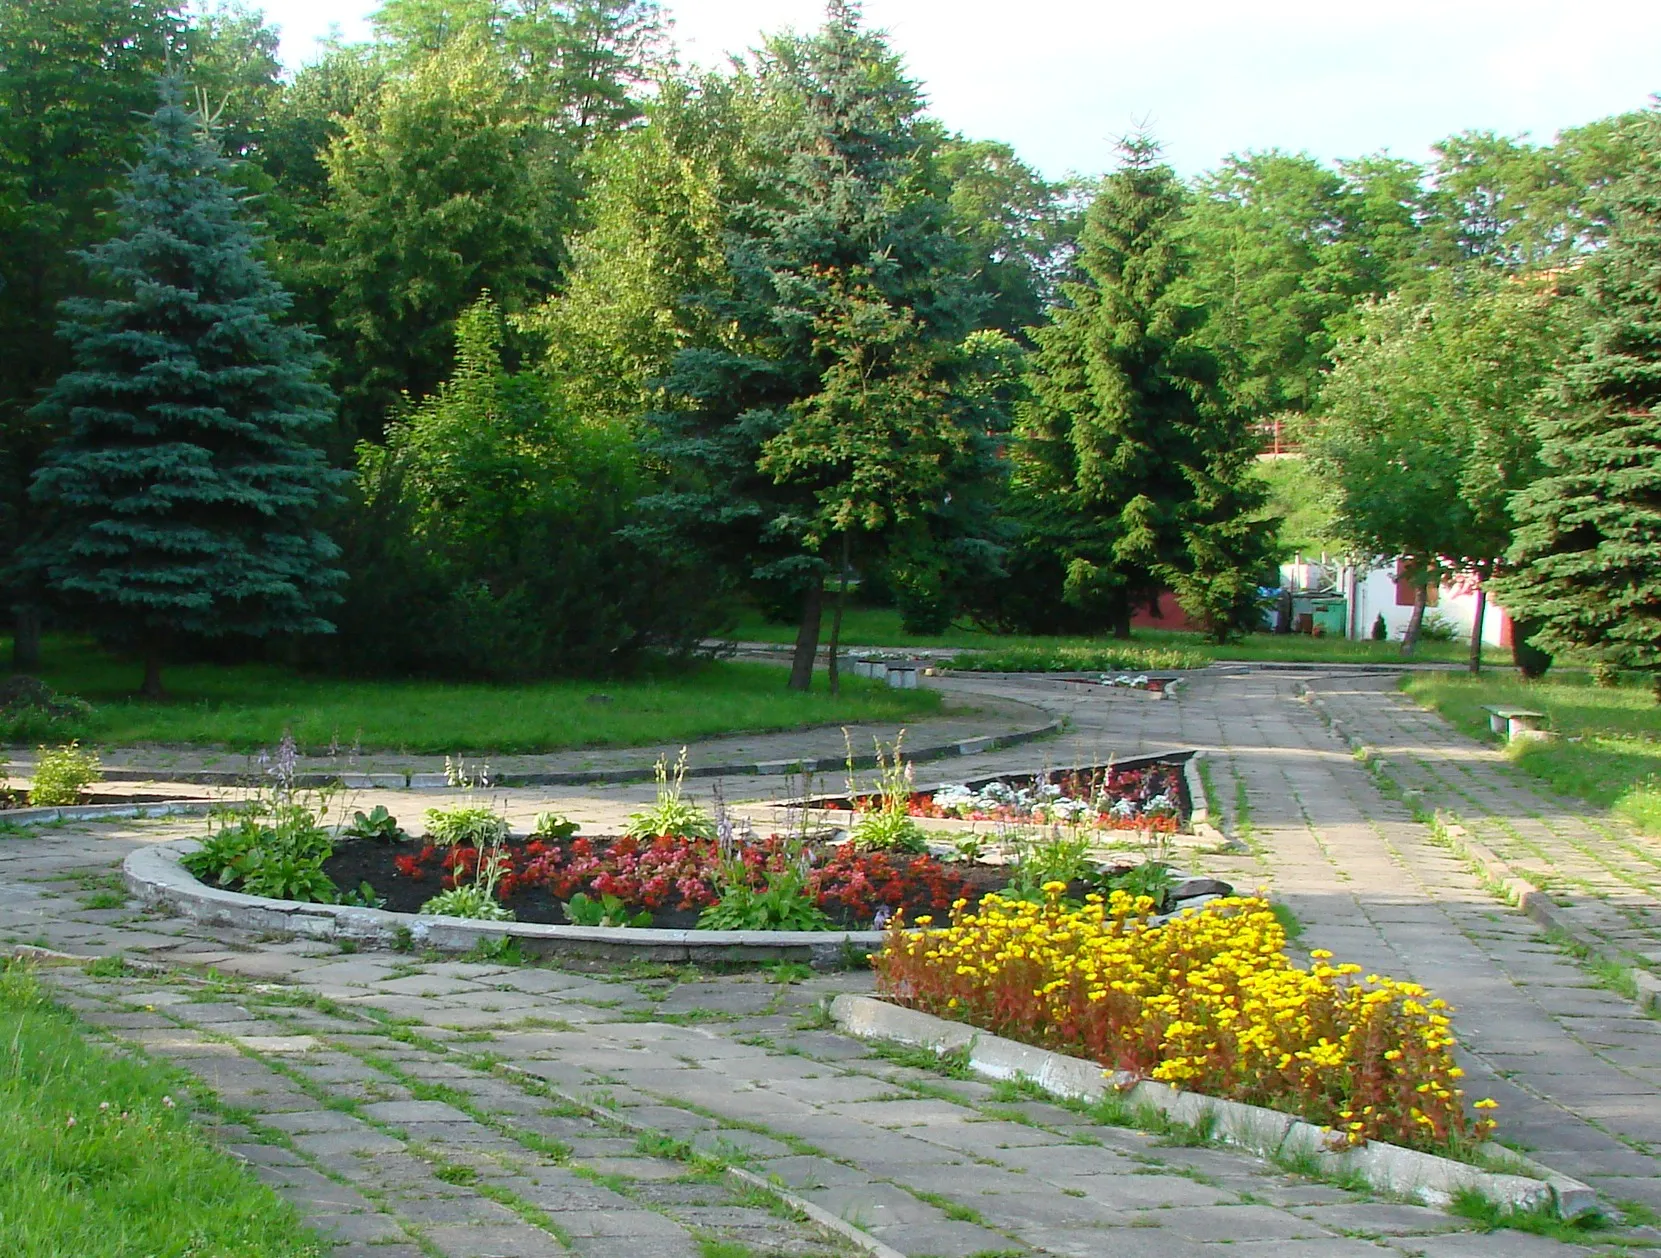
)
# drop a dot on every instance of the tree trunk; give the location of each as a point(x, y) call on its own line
point(1121, 618)
point(26, 639)
point(1476, 626)
point(833, 671)
point(152, 688)
point(1410, 639)
point(807, 634)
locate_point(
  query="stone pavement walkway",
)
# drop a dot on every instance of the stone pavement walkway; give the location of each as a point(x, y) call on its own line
point(1606, 877)
point(413, 1104)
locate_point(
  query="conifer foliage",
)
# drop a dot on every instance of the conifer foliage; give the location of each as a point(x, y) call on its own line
point(184, 491)
point(1588, 544)
point(1135, 469)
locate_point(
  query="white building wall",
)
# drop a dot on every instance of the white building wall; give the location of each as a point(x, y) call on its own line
point(1371, 591)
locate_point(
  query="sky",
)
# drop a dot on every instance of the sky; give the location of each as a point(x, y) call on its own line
point(1060, 80)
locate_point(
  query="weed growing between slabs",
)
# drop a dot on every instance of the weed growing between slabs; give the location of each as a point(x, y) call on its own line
point(1608, 744)
point(1207, 1001)
point(98, 1161)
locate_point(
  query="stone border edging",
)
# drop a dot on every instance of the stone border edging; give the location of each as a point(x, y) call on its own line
point(410, 780)
point(1539, 907)
point(100, 812)
point(155, 876)
point(1493, 869)
point(1266, 1132)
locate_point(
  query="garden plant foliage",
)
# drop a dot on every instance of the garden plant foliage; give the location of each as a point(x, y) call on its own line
point(1208, 1001)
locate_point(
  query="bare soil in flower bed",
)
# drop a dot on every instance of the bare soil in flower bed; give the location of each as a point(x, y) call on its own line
point(674, 880)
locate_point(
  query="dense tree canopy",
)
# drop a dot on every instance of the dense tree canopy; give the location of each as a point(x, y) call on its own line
point(777, 323)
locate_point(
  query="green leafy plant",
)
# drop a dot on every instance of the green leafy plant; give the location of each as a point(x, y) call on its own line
point(671, 814)
point(471, 899)
point(553, 825)
point(784, 903)
point(473, 826)
point(277, 852)
point(1056, 857)
point(889, 827)
point(30, 709)
point(476, 899)
point(62, 776)
point(608, 910)
point(376, 826)
point(1151, 878)
point(363, 896)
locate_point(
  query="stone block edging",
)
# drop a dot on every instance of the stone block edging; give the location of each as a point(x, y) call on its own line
point(1495, 870)
point(103, 812)
point(155, 876)
point(1390, 1168)
point(1539, 907)
point(410, 779)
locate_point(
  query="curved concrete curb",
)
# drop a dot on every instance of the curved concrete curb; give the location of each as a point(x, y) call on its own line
point(410, 779)
point(104, 812)
point(155, 877)
point(1266, 1132)
point(1501, 878)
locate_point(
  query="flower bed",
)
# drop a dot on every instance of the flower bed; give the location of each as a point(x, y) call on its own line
point(1208, 1000)
point(672, 880)
point(1145, 798)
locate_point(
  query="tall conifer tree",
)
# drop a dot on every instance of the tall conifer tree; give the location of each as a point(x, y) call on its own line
point(1134, 468)
point(1588, 545)
point(183, 494)
point(833, 413)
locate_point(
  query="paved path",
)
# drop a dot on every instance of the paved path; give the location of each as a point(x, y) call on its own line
point(413, 1104)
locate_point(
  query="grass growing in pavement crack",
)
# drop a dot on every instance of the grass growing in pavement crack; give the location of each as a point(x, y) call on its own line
point(1542, 1221)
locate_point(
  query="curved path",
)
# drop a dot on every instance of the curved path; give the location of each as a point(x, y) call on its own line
point(416, 1105)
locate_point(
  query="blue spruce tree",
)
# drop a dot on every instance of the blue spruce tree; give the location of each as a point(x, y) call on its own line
point(183, 493)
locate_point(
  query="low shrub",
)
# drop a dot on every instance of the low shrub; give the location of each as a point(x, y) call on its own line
point(1208, 1001)
point(62, 776)
point(30, 709)
point(1079, 659)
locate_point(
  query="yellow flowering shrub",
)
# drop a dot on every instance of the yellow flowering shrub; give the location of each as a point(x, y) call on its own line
point(1208, 1001)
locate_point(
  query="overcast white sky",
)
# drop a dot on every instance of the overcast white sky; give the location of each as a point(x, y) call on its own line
point(1059, 79)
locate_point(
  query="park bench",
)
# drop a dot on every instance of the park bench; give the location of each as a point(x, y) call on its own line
point(1514, 722)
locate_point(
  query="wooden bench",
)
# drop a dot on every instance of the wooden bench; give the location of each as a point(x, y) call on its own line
point(1514, 722)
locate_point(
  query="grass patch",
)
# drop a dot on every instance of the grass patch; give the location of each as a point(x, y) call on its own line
point(1608, 745)
point(880, 627)
point(130, 1179)
point(246, 707)
point(1489, 1216)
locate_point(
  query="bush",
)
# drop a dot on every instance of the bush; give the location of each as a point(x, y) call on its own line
point(62, 776)
point(1079, 659)
point(30, 710)
point(1208, 1001)
point(488, 539)
point(1436, 627)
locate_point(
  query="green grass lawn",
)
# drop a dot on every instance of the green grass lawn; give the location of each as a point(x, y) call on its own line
point(79, 1180)
point(1608, 745)
point(880, 627)
point(245, 707)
